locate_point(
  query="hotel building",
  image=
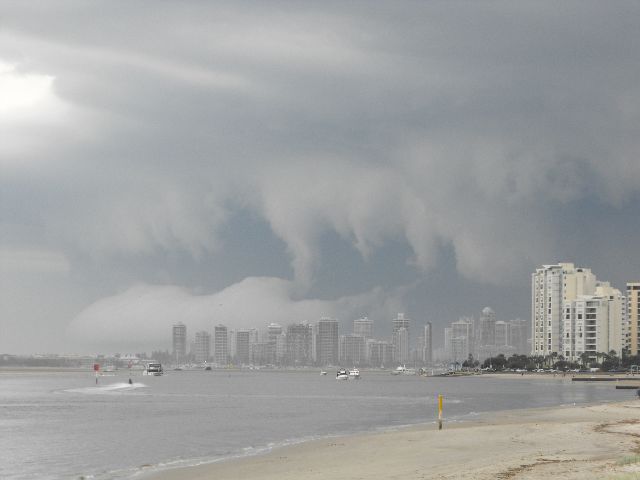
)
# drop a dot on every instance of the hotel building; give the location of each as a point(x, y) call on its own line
point(633, 317)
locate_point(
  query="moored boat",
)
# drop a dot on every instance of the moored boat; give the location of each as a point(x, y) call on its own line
point(342, 374)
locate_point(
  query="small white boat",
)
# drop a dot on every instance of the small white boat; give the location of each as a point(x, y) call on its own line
point(342, 374)
point(154, 369)
point(323, 372)
point(354, 374)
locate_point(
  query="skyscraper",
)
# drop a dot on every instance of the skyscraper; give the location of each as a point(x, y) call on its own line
point(327, 341)
point(633, 317)
point(242, 347)
point(352, 350)
point(220, 345)
point(179, 342)
point(401, 339)
point(363, 327)
point(298, 344)
point(202, 346)
point(551, 287)
point(485, 335)
point(427, 344)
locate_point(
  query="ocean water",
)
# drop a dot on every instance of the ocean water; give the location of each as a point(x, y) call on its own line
point(64, 426)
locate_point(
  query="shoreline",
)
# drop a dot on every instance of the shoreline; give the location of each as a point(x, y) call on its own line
point(568, 442)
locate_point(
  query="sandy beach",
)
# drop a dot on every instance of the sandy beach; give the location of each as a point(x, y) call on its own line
point(571, 442)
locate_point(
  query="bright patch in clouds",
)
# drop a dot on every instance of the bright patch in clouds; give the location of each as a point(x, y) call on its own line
point(23, 93)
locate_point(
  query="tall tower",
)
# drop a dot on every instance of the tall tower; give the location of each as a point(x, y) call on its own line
point(551, 287)
point(220, 345)
point(363, 327)
point(401, 338)
point(486, 334)
point(179, 342)
point(327, 341)
point(202, 346)
point(242, 346)
point(427, 345)
point(633, 317)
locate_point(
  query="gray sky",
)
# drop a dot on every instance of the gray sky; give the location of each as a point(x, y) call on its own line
point(242, 162)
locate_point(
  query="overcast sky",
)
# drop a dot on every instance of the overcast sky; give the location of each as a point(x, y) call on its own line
point(248, 162)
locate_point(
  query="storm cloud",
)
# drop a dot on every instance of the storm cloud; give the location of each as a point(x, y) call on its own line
point(310, 158)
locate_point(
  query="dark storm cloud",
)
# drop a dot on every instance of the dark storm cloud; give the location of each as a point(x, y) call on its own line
point(485, 130)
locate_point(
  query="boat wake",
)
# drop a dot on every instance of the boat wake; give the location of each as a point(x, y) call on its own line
point(107, 389)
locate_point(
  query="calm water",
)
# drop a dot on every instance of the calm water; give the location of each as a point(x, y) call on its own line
point(61, 425)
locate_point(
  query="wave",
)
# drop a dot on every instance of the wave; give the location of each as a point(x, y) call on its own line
point(107, 389)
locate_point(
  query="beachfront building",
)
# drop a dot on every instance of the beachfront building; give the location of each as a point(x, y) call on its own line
point(485, 334)
point(363, 327)
point(327, 342)
point(400, 337)
point(243, 342)
point(380, 353)
point(179, 340)
point(202, 346)
point(518, 335)
point(400, 341)
point(352, 350)
point(551, 287)
point(632, 324)
point(593, 324)
point(425, 345)
point(298, 344)
point(220, 345)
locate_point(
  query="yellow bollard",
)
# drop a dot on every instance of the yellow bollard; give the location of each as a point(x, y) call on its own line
point(439, 412)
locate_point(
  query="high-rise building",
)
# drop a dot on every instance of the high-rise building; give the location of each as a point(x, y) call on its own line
point(380, 353)
point(401, 344)
point(363, 327)
point(179, 342)
point(352, 350)
point(427, 345)
point(593, 324)
point(202, 346)
point(502, 335)
point(518, 334)
point(459, 339)
point(274, 331)
point(243, 340)
point(486, 334)
point(632, 329)
point(298, 344)
point(221, 345)
point(327, 342)
point(551, 287)
point(398, 336)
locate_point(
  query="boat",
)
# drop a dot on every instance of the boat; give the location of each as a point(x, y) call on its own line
point(154, 369)
point(208, 368)
point(399, 370)
point(342, 374)
point(322, 372)
point(354, 374)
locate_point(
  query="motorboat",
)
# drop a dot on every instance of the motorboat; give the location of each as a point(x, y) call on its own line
point(342, 374)
point(354, 374)
point(154, 369)
point(399, 370)
point(322, 372)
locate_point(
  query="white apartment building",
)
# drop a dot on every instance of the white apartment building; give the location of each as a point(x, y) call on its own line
point(632, 324)
point(593, 324)
point(551, 287)
point(202, 346)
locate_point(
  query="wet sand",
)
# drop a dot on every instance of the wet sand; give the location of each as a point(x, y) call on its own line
point(571, 442)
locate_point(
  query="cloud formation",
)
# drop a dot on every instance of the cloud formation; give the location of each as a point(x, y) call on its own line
point(488, 131)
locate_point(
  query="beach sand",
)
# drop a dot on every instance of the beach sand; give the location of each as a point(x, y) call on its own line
point(571, 442)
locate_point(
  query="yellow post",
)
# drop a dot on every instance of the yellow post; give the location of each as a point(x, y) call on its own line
point(439, 412)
